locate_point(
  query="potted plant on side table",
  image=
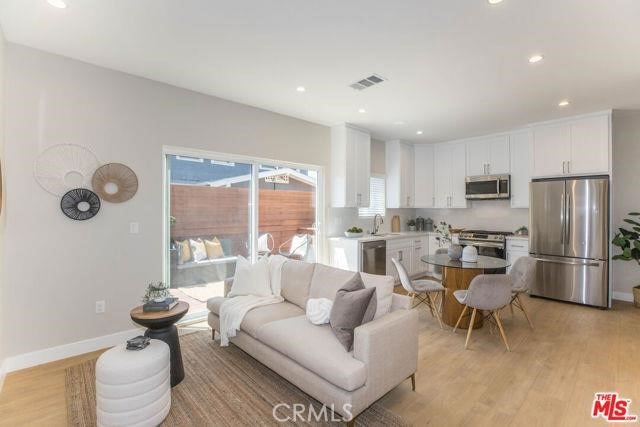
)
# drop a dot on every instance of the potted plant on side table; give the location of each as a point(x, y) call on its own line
point(629, 242)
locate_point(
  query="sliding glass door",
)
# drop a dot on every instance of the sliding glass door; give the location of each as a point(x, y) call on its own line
point(219, 209)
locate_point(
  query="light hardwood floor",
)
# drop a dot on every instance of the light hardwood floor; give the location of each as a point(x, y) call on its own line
point(549, 378)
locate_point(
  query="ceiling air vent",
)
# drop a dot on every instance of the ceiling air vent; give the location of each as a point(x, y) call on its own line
point(372, 80)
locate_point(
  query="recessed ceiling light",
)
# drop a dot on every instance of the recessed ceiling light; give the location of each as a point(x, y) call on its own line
point(398, 123)
point(301, 89)
point(536, 58)
point(419, 132)
point(494, 1)
point(362, 110)
point(564, 103)
point(57, 3)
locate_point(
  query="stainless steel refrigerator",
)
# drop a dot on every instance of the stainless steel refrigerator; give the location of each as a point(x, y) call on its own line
point(569, 236)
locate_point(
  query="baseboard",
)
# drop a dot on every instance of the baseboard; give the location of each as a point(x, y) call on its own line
point(3, 372)
point(27, 360)
point(623, 296)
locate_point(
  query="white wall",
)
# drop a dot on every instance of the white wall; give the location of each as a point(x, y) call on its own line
point(492, 215)
point(3, 305)
point(626, 198)
point(57, 268)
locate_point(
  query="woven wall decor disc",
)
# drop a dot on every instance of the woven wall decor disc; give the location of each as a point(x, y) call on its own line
point(80, 204)
point(115, 182)
point(63, 167)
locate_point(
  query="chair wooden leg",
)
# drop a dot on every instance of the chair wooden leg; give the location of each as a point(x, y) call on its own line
point(429, 303)
point(434, 309)
point(464, 310)
point(473, 318)
point(413, 382)
point(412, 295)
point(511, 307)
point(521, 306)
point(499, 322)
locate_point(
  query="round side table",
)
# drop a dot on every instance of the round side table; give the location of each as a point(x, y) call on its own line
point(161, 326)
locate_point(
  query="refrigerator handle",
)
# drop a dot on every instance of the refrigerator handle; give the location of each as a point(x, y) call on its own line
point(581, 264)
point(562, 217)
point(568, 219)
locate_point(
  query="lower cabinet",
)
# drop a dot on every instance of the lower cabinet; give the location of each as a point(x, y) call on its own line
point(516, 248)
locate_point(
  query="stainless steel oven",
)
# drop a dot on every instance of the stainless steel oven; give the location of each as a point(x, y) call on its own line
point(488, 243)
point(488, 187)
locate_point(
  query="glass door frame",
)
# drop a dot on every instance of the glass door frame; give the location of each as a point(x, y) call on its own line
point(255, 163)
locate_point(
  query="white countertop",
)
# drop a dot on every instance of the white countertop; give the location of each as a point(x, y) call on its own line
point(386, 236)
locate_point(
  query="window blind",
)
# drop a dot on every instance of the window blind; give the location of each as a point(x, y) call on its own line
point(376, 198)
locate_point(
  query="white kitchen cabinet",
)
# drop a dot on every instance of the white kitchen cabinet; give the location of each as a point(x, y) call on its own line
point(589, 146)
point(350, 167)
point(424, 176)
point(400, 174)
point(520, 148)
point(402, 254)
point(551, 149)
point(488, 156)
point(574, 147)
point(449, 175)
point(516, 248)
point(420, 249)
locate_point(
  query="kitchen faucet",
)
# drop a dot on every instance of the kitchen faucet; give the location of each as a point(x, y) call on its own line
point(376, 226)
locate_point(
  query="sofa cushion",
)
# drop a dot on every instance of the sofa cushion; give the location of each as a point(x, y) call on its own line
point(326, 281)
point(316, 349)
point(295, 281)
point(259, 316)
point(353, 306)
point(384, 291)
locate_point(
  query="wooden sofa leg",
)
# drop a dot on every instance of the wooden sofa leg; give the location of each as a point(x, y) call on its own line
point(413, 382)
point(213, 334)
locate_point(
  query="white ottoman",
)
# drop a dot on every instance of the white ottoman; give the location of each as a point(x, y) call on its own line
point(133, 387)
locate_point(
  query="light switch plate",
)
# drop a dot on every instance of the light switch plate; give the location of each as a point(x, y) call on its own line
point(134, 228)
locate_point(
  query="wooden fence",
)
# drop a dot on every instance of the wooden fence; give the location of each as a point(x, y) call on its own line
point(223, 212)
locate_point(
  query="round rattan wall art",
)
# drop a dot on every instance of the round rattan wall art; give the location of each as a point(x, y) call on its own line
point(62, 167)
point(80, 204)
point(115, 182)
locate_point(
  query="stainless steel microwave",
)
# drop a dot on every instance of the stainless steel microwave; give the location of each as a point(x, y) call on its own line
point(488, 187)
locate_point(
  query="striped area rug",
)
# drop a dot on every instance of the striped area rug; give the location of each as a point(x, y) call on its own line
point(222, 387)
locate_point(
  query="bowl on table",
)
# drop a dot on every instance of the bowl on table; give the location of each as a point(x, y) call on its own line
point(351, 235)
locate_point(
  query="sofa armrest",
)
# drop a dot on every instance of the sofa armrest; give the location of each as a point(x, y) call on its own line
point(388, 346)
point(400, 302)
point(228, 282)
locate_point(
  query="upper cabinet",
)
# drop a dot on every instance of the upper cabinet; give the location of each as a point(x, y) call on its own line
point(350, 167)
point(424, 176)
point(573, 147)
point(449, 175)
point(488, 156)
point(520, 147)
point(400, 174)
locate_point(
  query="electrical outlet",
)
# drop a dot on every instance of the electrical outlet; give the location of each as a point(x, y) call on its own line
point(134, 228)
point(101, 306)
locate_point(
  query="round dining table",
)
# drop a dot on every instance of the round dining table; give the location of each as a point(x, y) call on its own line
point(457, 275)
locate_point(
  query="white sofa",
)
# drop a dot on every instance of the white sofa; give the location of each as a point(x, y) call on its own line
point(385, 350)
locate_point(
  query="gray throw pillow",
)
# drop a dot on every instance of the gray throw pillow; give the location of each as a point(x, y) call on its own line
point(354, 305)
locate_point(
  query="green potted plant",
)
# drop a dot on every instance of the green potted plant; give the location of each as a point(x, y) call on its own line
point(629, 243)
point(411, 225)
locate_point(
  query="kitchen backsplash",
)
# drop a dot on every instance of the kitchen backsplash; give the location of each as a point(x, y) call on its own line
point(340, 219)
point(493, 215)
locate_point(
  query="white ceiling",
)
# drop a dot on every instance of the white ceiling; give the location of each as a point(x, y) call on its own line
point(456, 68)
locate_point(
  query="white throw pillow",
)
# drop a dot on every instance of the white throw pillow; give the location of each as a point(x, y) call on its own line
point(275, 273)
point(198, 250)
point(319, 310)
point(251, 279)
point(384, 291)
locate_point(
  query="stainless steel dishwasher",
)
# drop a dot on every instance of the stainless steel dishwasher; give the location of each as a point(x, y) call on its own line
point(373, 259)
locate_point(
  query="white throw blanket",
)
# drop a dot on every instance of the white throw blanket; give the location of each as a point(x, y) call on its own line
point(233, 310)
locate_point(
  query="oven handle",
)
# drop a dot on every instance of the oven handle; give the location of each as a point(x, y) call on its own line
point(482, 244)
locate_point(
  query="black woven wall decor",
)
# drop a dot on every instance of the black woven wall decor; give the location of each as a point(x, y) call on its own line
point(80, 204)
